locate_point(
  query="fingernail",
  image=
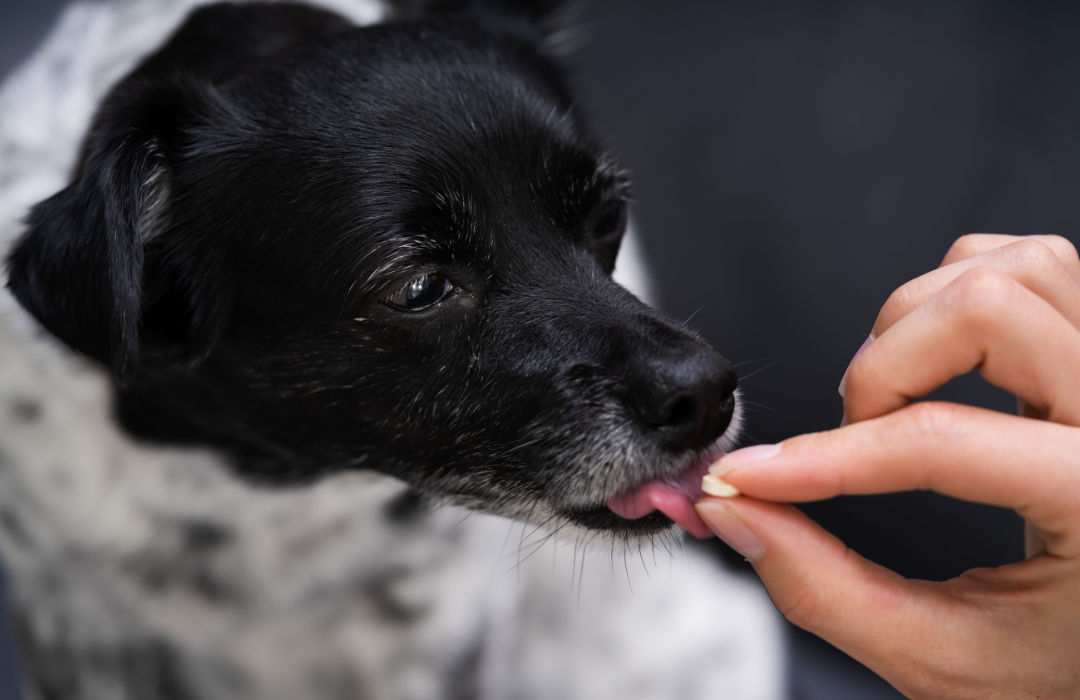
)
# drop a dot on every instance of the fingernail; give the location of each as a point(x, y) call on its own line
point(722, 520)
point(747, 455)
point(843, 380)
point(844, 422)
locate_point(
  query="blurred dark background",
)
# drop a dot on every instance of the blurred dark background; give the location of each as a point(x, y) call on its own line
point(794, 163)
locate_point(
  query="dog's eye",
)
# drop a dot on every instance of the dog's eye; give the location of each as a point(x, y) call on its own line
point(610, 221)
point(421, 293)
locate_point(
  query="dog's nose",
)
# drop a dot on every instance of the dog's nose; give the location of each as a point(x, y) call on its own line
point(684, 397)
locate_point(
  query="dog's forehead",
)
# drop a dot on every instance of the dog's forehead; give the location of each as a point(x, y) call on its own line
point(402, 90)
point(438, 144)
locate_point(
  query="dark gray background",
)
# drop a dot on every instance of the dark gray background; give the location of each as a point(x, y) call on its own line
point(794, 163)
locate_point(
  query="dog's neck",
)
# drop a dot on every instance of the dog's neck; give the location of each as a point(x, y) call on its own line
point(119, 550)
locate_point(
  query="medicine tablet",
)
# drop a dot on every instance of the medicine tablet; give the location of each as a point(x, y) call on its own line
point(715, 486)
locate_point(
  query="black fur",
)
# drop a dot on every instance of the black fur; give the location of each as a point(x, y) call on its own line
point(251, 198)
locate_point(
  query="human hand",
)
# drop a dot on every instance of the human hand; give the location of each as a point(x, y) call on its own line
point(1011, 308)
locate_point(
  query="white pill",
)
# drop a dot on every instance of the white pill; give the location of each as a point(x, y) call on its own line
point(715, 486)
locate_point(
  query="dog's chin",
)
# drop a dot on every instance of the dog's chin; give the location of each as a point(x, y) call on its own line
point(600, 517)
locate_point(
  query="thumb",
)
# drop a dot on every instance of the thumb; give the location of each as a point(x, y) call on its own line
point(818, 583)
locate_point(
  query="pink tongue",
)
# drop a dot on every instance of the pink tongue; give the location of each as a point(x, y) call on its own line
point(674, 497)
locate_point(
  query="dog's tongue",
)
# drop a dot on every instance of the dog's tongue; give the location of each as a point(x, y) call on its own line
point(674, 497)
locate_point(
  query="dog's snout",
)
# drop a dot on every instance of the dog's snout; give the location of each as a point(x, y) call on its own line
point(684, 398)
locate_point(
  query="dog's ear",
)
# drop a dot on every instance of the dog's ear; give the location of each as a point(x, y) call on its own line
point(79, 266)
point(553, 22)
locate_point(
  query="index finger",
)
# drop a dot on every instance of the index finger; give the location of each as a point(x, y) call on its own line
point(960, 451)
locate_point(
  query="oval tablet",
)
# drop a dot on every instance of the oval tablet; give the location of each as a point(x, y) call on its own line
point(715, 486)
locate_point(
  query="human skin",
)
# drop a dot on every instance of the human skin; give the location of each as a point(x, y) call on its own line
point(1009, 307)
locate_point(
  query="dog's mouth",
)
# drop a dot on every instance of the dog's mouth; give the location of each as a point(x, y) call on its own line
point(655, 504)
point(674, 496)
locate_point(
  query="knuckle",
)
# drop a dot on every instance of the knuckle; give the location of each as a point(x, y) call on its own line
point(980, 279)
point(1062, 246)
point(929, 424)
point(966, 246)
point(931, 421)
point(1035, 254)
point(978, 296)
point(900, 302)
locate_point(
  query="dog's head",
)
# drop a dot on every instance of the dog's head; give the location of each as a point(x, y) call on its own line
point(388, 248)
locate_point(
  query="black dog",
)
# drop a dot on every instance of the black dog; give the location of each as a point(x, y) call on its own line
point(305, 256)
point(321, 248)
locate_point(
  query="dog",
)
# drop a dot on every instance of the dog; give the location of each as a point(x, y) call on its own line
point(322, 276)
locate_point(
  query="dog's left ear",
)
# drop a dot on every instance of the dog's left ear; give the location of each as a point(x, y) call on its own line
point(552, 22)
point(79, 267)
